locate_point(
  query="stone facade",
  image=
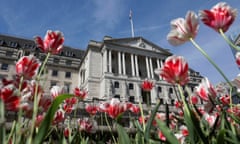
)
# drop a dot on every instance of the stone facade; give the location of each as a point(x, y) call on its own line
point(117, 67)
point(62, 69)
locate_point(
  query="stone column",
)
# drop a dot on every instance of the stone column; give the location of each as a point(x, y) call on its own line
point(123, 64)
point(132, 64)
point(136, 66)
point(147, 68)
point(110, 61)
point(154, 95)
point(138, 94)
point(161, 66)
point(151, 68)
point(105, 61)
point(158, 67)
point(119, 63)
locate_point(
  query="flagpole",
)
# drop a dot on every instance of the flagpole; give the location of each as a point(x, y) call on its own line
point(131, 21)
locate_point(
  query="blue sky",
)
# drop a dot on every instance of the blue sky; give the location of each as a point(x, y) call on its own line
point(84, 20)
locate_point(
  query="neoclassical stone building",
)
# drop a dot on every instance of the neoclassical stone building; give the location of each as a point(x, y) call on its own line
point(117, 67)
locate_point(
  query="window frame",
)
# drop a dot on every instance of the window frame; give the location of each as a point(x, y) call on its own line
point(131, 86)
point(116, 84)
point(5, 66)
point(54, 73)
point(68, 74)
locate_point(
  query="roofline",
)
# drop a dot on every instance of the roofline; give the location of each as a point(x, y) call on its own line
point(139, 37)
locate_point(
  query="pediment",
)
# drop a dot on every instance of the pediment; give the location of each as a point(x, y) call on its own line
point(137, 42)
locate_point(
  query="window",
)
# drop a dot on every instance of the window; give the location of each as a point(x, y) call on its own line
point(68, 75)
point(82, 75)
point(1, 42)
point(146, 97)
point(12, 44)
point(159, 89)
point(27, 53)
point(130, 86)
point(131, 99)
point(170, 90)
point(68, 62)
point(69, 53)
point(116, 84)
point(9, 53)
point(117, 96)
point(4, 66)
point(56, 60)
point(28, 46)
point(52, 83)
point(2, 76)
point(67, 87)
point(161, 101)
point(54, 73)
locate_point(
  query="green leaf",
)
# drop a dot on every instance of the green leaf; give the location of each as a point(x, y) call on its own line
point(2, 119)
point(193, 125)
point(45, 125)
point(138, 137)
point(138, 126)
point(149, 122)
point(220, 137)
point(229, 140)
point(192, 135)
point(167, 132)
point(122, 135)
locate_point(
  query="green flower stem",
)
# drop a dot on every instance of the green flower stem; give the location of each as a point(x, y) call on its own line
point(210, 60)
point(230, 100)
point(18, 125)
point(11, 132)
point(110, 128)
point(2, 122)
point(228, 41)
point(232, 46)
point(148, 103)
point(36, 99)
point(75, 114)
point(70, 131)
point(101, 122)
point(185, 106)
point(43, 65)
point(142, 115)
